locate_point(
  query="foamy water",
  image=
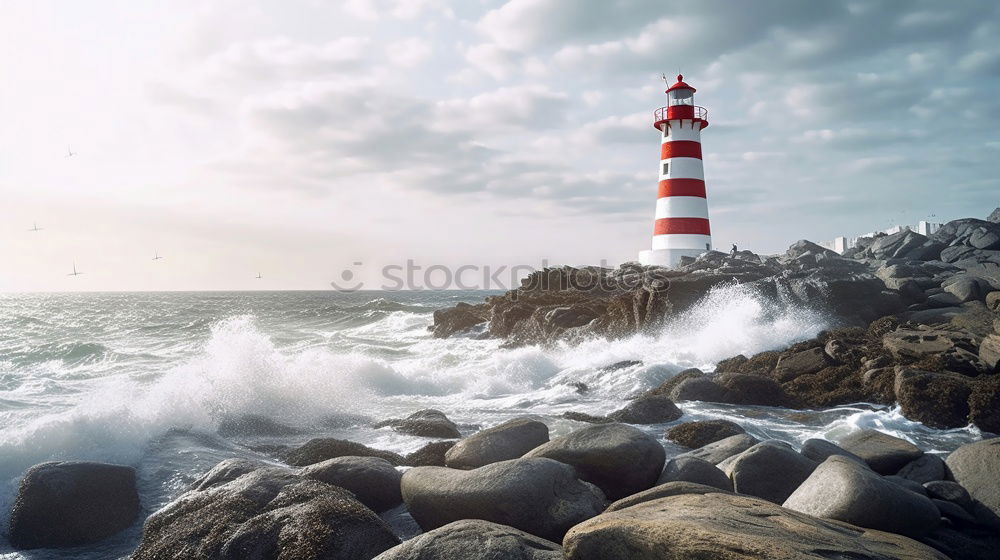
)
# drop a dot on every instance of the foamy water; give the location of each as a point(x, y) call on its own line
point(147, 379)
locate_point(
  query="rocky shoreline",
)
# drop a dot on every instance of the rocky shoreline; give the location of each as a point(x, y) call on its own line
point(917, 323)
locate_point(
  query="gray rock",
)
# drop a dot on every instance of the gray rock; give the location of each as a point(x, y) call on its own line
point(430, 455)
point(675, 488)
point(953, 511)
point(227, 471)
point(756, 471)
point(424, 423)
point(910, 485)
point(509, 440)
point(648, 409)
point(989, 351)
point(730, 527)
point(64, 504)
point(994, 216)
point(703, 432)
point(698, 389)
point(966, 287)
point(321, 449)
point(691, 469)
point(618, 458)
point(819, 449)
point(719, 451)
point(374, 481)
point(790, 366)
point(976, 466)
point(265, 514)
point(925, 469)
point(474, 539)
point(841, 489)
point(949, 491)
point(885, 454)
point(537, 495)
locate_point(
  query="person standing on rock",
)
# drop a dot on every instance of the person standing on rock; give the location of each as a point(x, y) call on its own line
point(732, 253)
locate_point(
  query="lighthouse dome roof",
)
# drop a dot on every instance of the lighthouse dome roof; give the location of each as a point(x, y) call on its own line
point(680, 84)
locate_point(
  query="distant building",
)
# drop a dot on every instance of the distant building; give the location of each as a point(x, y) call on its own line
point(841, 244)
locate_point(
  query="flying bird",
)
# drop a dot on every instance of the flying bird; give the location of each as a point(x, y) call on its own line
point(156, 256)
point(34, 227)
point(74, 273)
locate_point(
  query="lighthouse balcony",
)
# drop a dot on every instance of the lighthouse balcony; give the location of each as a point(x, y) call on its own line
point(677, 112)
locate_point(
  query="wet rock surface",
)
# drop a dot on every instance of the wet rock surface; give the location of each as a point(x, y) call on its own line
point(509, 440)
point(537, 495)
point(703, 432)
point(62, 504)
point(716, 525)
point(618, 458)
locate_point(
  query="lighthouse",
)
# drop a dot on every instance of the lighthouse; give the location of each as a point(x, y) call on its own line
point(681, 222)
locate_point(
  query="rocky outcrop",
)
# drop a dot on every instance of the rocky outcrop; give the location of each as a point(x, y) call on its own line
point(537, 495)
point(717, 525)
point(842, 489)
point(509, 440)
point(976, 466)
point(474, 538)
point(424, 423)
point(64, 504)
point(266, 513)
point(374, 481)
point(884, 453)
point(703, 432)
point(321, 449)
point(618, 458)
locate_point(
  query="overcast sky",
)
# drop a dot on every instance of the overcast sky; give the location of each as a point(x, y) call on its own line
point(294, 138)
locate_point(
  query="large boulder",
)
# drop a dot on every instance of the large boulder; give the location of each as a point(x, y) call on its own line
point(927, 468)
point(750, 389)
point(769, 470)
point(939, 400)
point(819, 449)
point(424, 423)
point(984, 404)
point(374, 481)
point(698, 389)
point(691, 469)
point(804, 362)
point(703, 432)
point(225, 471)
point(675, 488)
point(509, 440)
point(843, 490)
point(884, 453)
point(618, 458)
point(265, 514)
point(63, 504)
point(730, 527)
point(648, 409)
point(321, 449)
point(718, 451)
point(976, 466)
point(537, 495)
point(473, 539)
point(430, 455)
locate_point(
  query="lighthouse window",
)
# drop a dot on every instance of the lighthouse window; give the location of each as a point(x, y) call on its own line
point(666, 168)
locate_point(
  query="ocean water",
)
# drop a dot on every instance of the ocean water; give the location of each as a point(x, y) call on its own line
point(155, 380)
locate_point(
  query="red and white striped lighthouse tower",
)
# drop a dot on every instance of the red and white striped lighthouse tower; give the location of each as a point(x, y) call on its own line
point(681, 228)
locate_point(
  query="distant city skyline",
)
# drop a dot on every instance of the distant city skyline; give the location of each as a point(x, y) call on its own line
point(293, 140)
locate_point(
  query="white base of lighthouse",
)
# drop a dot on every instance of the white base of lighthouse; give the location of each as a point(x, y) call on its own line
point(667, 257)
